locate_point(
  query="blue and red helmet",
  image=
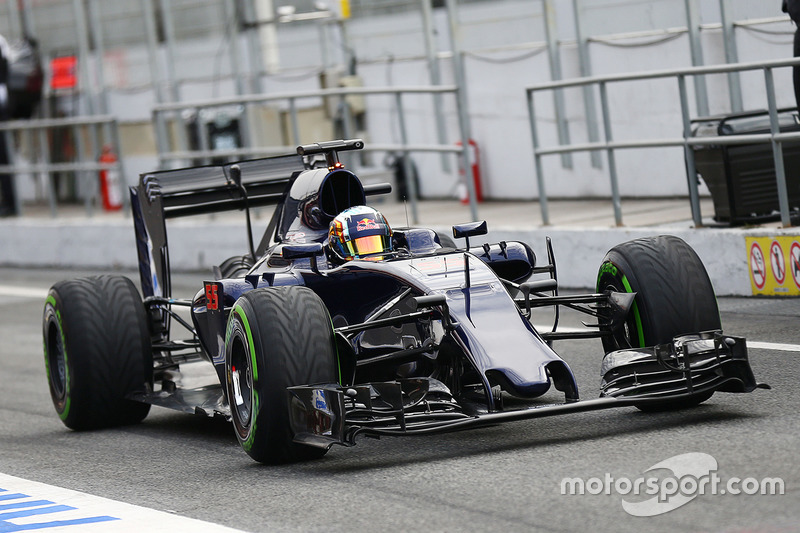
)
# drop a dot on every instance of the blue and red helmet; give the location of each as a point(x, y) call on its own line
point(359, 232)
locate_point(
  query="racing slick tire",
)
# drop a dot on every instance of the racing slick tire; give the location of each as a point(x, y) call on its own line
point(674, 296)
point(97, 351)
point(276, 338)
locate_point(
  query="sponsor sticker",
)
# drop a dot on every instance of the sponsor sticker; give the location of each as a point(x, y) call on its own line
point(366, 224)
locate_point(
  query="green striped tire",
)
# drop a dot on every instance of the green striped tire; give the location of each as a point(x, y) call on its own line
point(674, 295)
point(97, 351)
point(276, 338)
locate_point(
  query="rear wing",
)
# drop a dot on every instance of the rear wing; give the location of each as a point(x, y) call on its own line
point(198, 190)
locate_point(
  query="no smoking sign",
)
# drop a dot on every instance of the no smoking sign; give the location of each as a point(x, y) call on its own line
point(774, 264)
point(758, 267)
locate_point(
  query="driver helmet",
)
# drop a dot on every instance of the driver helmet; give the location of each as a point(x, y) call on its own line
point(359, 232)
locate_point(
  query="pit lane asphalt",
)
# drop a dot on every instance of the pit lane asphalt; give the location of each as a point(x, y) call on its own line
point(502, 478)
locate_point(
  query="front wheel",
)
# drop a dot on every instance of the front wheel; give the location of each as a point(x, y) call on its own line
point(276, 338)
point(674, 296)
point(97, 351)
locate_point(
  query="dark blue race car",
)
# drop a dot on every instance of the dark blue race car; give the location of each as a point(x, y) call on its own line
point(335, 325)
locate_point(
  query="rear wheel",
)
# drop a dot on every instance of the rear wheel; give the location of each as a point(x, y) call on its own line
point(276, 338)
point(97, 351)
point(674, 296)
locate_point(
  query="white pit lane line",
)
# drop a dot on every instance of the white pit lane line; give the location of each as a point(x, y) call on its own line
point(31, 506)
point(23, 292)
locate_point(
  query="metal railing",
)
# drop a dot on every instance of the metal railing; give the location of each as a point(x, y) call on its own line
point(686, 141)
point(90, 134)
point(174, 111)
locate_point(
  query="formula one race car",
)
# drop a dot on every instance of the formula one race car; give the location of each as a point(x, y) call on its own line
point(336, 326)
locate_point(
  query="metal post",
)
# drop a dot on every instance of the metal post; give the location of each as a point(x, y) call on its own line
point(612, 162)
point(345, 112)
point(435, 76)
point(87, 179)
point(267, 35)
point(103, 132)
point(83, 55)
point(115, 141)
point(172, 83)
point(163, 142)
point(34, 153)
point(323, 45)
point(14, 22)
point(202, 136)
point(293, 120)
point(11, 154)
point(731, 56)
point(52, 193)
point(169, 41)
point(253, 47)
point(347, 119)
point(236, 64)
point(554, 59)
point(233, 42)
point(688, 151)
point(461, 102)
point(410, 184)
point(92, 178)
point(152, 49)
point(537, 159)
point(96, 28)
point(348, 55)
point(777, 150)
point(693, 24)
point(585, 61)
point(26, 16)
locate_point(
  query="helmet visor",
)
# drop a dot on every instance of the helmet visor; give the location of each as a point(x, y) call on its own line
point(371, 244)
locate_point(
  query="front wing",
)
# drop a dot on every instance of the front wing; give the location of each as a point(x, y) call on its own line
point(689, 367)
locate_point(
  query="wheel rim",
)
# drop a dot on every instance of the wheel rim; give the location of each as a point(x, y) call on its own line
point(56, 359)
point(241, 385)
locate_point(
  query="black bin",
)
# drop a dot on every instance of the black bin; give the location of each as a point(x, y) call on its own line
point(741, 177)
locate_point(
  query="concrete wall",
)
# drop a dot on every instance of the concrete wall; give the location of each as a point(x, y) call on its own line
point(109, 243)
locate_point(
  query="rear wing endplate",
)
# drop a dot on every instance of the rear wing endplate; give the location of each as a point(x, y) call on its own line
point(194, 191)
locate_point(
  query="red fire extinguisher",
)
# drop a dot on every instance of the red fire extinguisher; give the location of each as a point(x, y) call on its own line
point(475, 165)
point(110, 182)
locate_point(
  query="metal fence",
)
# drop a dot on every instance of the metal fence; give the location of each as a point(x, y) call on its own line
point(164, 114)
point(687, 141)
point(30, 144)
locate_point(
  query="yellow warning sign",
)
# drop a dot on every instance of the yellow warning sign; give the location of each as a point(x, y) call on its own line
point(774, 264)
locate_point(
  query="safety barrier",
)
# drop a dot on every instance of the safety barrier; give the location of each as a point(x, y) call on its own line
point(687, 141)
point(29, 148)
point(176, 113)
